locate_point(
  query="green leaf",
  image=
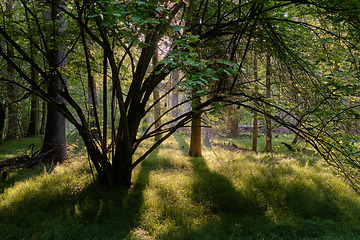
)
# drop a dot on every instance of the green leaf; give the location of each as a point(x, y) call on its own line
point(93, 15)
point(136, 18)
point(177, 28)
point(159, 8)
point(143, 45)
point(201, 91)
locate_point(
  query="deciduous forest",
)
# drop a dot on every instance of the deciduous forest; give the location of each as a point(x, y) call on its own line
point(197, 119)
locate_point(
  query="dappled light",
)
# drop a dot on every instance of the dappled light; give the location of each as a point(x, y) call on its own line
point(230, 194)
point(180, 119)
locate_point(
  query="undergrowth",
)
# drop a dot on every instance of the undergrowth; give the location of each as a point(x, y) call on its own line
point(224, 195)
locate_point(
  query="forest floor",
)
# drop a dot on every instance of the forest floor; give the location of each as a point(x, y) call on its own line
point(224, 195)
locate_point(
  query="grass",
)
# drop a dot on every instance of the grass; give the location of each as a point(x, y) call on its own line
point(225, 195)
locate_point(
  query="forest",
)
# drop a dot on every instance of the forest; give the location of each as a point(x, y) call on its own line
point(179, 119)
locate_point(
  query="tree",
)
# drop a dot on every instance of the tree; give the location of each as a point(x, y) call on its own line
point(2, 120)
point(12, 128)
point(255, 120)
point(54, 146)
point(34, 125)
point(128, 34)
point(195, 139)
point(156, 97)
point(268, 127)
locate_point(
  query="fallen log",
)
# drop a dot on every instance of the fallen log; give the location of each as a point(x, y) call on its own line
point(18, 162)
point(230, 146)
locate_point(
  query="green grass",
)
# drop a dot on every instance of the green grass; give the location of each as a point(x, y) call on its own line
point(225, 195)
point(14, 148)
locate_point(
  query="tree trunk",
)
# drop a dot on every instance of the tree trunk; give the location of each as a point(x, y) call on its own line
point(92, 91)
point(122, 166)
point(156, 96)
point(11, 89)
point(34, 126)
point(105, 102)
point(195, 141)
point(267, 118)
point(232, 123)
point(2, 120)
point(43, 118)
point(175, 93)
point(255, 131)
point(54, 145)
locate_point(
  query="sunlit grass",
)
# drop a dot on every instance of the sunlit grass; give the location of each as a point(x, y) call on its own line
point(14, 148)
point(225, 195)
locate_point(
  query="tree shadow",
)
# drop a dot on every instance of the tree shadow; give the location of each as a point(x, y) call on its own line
point(96, 212)
point(216, 191)
point(21, 174)
point(183, 145)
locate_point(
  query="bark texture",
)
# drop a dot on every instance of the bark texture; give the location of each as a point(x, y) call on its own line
point(54, 145)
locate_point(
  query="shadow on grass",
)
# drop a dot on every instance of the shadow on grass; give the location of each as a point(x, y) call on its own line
point(60, 207)
point(219, 194)
point(18, 175)
point(183, 145)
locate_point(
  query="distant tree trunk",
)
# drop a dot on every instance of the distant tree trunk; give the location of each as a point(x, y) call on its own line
point(156, 96)
point(255, 132)
point(54, 145)
point(92, 91)
point(195, 141)
point(2, 120)
point(43, 118)
point(34, 125)
point(175, 93)
point(296, 118)
point(267, 118)
point(232, 122)
point(11, 89)
point(105, 102)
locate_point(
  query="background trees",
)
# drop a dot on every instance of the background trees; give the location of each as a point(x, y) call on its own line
point(209, 43)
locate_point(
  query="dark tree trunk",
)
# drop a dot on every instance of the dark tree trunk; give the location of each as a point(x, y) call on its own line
point(54, 145)
point(92, 91)
point(255, 132)
point(2, 120)
point(268, 129)
point(156, 96)
point(43, 118)
point(122, 166)
point(93, 102)
point(105, 102)
point(34, 125)
point(175, 93)
point(11, 89)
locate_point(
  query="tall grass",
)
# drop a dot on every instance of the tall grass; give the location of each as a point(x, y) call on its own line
point(224, 195)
